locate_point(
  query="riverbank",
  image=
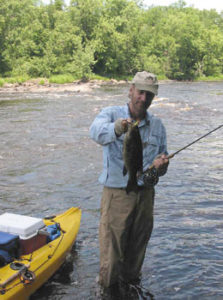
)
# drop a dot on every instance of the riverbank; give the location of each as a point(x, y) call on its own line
point(38, 85)
point(35, 85)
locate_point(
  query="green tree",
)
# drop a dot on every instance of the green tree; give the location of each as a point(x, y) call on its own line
point(109, 37)
point(118, 38)
point(14, 17)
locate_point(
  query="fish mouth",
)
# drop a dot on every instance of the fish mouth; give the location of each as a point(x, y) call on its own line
point(136, 123)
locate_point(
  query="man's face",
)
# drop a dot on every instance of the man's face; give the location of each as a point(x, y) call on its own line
point(140, 101)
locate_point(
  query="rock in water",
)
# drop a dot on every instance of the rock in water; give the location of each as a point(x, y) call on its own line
point(133, 156)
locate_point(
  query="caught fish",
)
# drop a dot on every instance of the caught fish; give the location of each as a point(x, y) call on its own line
point(132, 156)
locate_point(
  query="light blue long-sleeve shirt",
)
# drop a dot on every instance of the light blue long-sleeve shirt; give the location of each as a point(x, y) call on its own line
point(153, 136)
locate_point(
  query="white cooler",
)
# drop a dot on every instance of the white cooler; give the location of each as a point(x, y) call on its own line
point(27, 228)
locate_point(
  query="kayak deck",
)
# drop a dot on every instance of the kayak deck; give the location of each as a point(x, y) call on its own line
point(41, 264)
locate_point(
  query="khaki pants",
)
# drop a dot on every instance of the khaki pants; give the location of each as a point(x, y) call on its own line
point(125, 229)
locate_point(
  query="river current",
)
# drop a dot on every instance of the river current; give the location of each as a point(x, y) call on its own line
point(48, 163)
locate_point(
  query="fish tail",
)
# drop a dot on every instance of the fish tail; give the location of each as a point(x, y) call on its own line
point(132, 186)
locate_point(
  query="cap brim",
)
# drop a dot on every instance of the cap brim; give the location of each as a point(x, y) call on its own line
point(150, 88)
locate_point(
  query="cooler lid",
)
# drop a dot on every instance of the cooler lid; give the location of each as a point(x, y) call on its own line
point(24, 226)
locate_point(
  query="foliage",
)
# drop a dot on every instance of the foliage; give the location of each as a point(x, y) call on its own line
point(112, 38)
point(17, 79)
point(63, 78)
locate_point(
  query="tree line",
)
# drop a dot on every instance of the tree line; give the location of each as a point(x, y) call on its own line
point(112, 38)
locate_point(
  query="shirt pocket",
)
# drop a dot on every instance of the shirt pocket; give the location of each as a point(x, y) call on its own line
point(151, 147)
point(117, 147)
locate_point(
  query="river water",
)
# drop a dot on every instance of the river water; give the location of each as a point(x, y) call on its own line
point(48, 163)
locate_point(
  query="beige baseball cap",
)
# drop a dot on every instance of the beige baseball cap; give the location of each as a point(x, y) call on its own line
point(146, 81)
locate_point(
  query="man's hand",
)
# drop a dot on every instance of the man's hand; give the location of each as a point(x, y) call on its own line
point(161, 163)
point(121, 126)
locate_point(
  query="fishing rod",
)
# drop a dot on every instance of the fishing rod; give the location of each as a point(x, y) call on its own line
point(185, 147)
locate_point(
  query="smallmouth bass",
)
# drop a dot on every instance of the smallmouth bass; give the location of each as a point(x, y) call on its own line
point(132, 156)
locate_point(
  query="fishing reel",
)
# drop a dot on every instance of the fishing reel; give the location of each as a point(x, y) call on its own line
point(150, 177)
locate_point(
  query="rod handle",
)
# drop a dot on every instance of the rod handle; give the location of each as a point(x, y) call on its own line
point(171, 155)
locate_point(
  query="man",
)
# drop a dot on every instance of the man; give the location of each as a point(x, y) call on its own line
point(127, 218)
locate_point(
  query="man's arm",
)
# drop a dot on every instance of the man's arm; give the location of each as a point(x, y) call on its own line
point(160, 163)
point(105, 129)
